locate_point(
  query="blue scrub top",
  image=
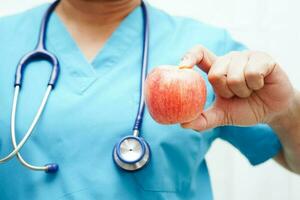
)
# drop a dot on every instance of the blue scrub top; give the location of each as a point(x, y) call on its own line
point(95, 104)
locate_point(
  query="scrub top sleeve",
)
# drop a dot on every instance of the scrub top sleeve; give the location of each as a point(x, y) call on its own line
point(258, 143)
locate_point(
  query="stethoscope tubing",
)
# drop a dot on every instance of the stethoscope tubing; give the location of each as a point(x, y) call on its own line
point(32, 126)
point(13, 132)
point(122, 162)
point(40, 52)
point(141, 108)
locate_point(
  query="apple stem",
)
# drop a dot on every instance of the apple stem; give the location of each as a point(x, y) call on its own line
point(185, 67)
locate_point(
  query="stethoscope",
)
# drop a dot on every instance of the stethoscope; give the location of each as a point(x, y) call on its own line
point(130, 153)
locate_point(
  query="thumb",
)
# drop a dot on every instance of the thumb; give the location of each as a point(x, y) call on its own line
point(199, 56)
point(211, 118)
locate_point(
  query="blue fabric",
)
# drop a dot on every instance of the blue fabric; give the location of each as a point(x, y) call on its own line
point(94, 105)
point(257, 143)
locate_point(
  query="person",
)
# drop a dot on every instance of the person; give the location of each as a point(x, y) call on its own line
point(251, 103)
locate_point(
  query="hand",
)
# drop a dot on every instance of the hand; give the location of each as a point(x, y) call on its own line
point(250, 88)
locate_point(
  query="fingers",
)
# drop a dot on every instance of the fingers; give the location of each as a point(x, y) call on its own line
point(258, 67)
point(217, 76)
point(211, 118)
point(235, 74)
point(199, 56)
point(240, 73)
point(236, 80)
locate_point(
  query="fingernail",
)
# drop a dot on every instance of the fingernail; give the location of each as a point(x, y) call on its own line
point(185, 125)
point(185, 61)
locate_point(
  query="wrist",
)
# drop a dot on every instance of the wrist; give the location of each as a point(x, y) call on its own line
point(288, 119)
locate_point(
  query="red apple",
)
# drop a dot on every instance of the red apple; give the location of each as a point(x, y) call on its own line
point(174, 94)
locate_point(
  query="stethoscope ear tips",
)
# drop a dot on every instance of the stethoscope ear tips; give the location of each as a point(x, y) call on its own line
point(51, 168)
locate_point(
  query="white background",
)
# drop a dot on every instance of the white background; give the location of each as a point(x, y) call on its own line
point(268, 25)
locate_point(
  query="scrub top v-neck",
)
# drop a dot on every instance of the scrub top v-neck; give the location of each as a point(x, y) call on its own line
point(116, 48)
point(94, 105)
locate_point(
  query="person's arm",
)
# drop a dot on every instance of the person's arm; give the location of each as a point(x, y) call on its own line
point(250, 88)
point(287, 127)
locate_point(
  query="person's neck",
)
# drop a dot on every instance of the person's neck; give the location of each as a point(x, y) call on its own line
point(95, 12)
point(91, 22)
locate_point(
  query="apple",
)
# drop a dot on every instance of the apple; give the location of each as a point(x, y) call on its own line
point(174, 94)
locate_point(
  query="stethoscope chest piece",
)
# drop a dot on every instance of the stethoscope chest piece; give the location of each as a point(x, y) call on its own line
point(131, 153)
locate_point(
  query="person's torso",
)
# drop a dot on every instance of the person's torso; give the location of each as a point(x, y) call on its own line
point(92, 107)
